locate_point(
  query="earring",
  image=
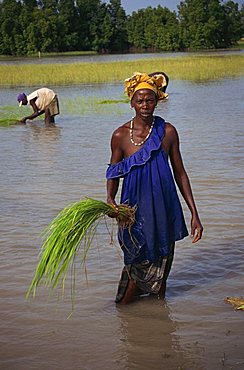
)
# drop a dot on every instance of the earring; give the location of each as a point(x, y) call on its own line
point(131, 107)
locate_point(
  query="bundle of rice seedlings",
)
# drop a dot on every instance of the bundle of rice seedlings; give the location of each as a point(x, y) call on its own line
point(74, 226)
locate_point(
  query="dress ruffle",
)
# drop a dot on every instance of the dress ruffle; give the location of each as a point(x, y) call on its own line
point(142, 155)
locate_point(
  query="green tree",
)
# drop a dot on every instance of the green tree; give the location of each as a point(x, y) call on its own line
point(87, 10)
point(136, 29)
point(51, 5)
point(47, 31)
point(153, 29)
point(10, 30)
point(242, 21)
point(29, 26)
point(30, 4)
point(233, 26)
point(118, 19)
point(68, 26)
point(103, 30)
point(164, 33)
point(26, 42)
point(208, 24)
point(193, 15)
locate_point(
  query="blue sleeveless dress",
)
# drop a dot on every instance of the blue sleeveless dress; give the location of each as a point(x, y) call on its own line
point(148, 183)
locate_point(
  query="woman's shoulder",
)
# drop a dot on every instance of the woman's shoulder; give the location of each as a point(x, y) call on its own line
point(166, 126)
point(169, 128)
point(122, 131)
point(171, 135)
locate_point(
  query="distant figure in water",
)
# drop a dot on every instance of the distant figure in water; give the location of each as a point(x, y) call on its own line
point(42, 101)
point(164, 87)
point(141, 151)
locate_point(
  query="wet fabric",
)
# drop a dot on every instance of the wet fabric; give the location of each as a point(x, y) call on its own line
point(148, 276)
point(148, 183)
point(54, 106)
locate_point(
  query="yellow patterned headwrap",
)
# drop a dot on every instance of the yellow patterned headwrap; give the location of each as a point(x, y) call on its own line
point(142, 81)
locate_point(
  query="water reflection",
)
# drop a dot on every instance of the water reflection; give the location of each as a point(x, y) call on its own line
point(41, 145)
point(45, 133)
point(147, 337)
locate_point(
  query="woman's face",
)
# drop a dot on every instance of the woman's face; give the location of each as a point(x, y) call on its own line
point(144, 102)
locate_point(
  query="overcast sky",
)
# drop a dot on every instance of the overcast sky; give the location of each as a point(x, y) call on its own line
point(130, 5)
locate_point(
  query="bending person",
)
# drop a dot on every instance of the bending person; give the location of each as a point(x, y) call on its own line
point(164, 87)
point(42, 101)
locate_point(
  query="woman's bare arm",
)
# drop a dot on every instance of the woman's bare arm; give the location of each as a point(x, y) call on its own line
point(116, 156)
point(183, 183)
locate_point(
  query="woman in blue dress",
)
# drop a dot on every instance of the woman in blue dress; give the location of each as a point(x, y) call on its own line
point(141, 150)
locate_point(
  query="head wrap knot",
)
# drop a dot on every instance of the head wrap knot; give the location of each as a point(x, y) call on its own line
point(143, 81)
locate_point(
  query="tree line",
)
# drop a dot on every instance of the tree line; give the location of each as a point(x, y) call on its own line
point(31, 26)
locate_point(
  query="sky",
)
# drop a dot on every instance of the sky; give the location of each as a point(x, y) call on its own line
point(130, 5)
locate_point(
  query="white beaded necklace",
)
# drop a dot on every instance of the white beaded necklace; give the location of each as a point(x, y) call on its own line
point(131, 133)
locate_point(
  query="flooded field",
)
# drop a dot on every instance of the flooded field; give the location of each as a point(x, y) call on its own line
point(45, 169)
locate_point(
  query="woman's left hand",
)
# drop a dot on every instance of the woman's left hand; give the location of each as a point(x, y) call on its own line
point(196, 229)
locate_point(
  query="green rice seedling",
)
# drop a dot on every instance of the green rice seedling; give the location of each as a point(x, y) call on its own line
point(7, 122)
point(9, 115)
point(81, 105)
point(74, 226)
point(113, 101)
point(8, 118)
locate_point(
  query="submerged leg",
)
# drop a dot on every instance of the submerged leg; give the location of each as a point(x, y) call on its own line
point(168, 265)
point(162, 290)
point(129, 293)
point(49, 119)
point(126, 288)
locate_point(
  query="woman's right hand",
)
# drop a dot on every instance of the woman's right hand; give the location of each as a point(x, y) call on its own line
point(116, 208)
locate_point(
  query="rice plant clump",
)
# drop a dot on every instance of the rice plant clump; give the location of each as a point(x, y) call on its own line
point(8, 117)
point(73, 227)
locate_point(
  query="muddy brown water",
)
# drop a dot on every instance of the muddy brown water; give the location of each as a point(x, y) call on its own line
point(45, 169)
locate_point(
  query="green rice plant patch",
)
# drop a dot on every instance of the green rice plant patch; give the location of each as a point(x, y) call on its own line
point(8, 117)
point(8, 122)
point(82, 105)
point(205, 67)
point(11, 115)
point(113, 101)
